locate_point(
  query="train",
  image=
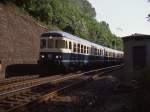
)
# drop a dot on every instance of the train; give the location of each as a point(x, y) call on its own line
point(62, 50)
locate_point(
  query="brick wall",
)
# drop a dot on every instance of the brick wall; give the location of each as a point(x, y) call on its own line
point(19, 37)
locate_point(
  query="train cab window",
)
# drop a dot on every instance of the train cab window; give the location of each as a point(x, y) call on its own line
point(70, 45)
point(43, 43)
point(50, 43)
point(60, 44)
point(78, 48)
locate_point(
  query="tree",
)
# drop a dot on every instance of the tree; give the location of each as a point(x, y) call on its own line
point(73, 16)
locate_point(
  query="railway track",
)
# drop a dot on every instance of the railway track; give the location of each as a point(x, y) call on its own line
point(16, 79)
point(19, 94)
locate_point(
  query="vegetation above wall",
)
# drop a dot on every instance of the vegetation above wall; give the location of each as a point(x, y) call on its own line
point(73, 16)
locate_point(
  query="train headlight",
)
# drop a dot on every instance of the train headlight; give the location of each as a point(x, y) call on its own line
point(57, 57)
point(42, 56)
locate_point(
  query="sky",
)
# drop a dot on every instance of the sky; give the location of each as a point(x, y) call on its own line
point(125, 17)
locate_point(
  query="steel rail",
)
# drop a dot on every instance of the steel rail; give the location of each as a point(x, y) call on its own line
point(16, 79)
point(49, 95)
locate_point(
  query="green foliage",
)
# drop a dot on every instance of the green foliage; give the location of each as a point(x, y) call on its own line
point(73, 16)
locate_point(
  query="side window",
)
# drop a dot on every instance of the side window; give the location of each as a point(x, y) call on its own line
point(43, 44)
point(95, 51)
point(104, 52)
point(100, 52)
point(84, 49)
point(113, 54)
point(66, 44)
point(74, 47)
point(78, 48)
point(110, 54)
point(87, 50)
point(60, 44)
point(107, 54)
point(92, 50)
point(81, 48)
point(70, 45)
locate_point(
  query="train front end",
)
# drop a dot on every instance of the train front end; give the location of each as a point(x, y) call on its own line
point(53, 50)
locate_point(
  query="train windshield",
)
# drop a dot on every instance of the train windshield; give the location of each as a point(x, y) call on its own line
point(51, 43)
point(55, 43)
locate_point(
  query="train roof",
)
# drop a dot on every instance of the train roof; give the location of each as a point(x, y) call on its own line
point(66, 35)
point(78, 39)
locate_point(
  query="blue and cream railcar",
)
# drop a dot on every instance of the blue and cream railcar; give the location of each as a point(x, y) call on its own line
point(61, 49)
point(112, 56)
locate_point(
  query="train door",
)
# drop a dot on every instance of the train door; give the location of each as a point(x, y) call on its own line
point(139, 57)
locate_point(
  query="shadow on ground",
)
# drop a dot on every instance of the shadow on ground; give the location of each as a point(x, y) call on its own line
point(30, 69)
